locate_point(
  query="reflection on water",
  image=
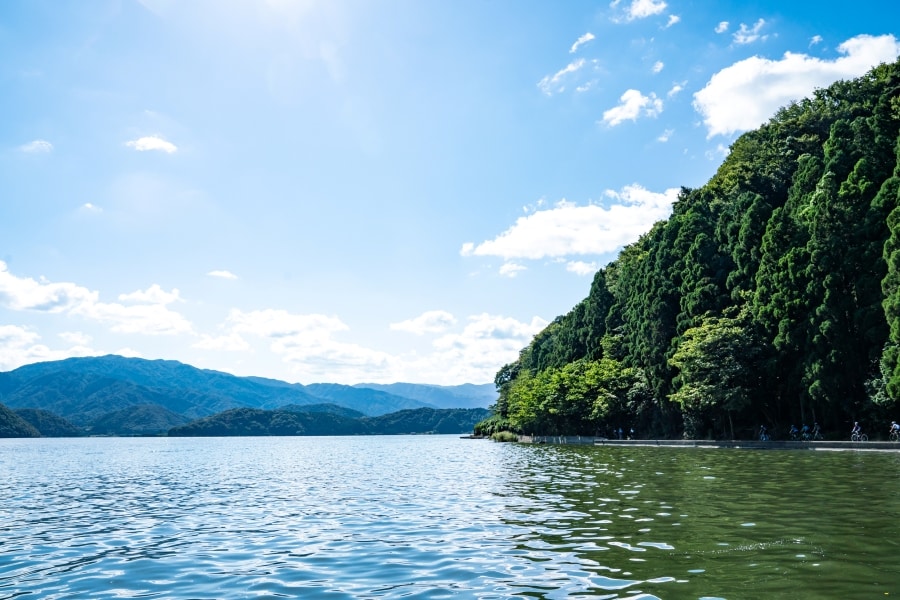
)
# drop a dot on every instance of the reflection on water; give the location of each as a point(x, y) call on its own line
point(440, 517)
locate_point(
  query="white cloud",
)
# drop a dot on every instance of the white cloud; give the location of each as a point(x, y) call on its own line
point(658, 66)
point(152, 295)
point(222, 274)
point(476, 354)
point(581, 41)
point(280, 324)
point(91, 207)
point(233, 342)
point(152, 142)
point(633, 105)
point(816, 39)
point(568, 229)
point(147, 314)
point(307, 343)
point(556, 83)
point(722, 27)
point(748, 35)
point(579, 267)
point(678, 87)
point(673, 19)
point(20, 346)
point(36, 147)
point(511, 269)
point(640, 9)
point(432, 321)
point(19, 293)
point(77, 338)
point(665, 136)
point(746, 94)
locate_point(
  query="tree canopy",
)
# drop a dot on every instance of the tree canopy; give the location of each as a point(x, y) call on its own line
point(771, 295)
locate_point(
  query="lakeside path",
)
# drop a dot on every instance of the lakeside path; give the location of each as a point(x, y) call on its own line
point(747, 444)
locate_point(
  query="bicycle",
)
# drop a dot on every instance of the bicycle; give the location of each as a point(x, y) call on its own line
point(859, 437)
point(895, 436)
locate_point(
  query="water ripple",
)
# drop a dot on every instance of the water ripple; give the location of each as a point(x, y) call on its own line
point(437, 517)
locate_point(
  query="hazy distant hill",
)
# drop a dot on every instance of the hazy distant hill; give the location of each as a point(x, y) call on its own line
point(84, 390)
point(467, 395)
point(14, 426)
point(49, 424)
point(368, 401)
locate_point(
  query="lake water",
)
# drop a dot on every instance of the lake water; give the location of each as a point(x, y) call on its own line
point(441, 517)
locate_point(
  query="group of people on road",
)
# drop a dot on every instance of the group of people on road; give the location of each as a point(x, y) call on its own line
point(806, 434)
point(857, 430)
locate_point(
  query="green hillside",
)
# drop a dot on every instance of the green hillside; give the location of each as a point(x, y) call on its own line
point(256, 422)
point(770, 296)
point(140, 419)
point(49, 424)
point(14, 426)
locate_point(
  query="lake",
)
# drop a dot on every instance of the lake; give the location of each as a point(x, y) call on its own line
point(441, 517)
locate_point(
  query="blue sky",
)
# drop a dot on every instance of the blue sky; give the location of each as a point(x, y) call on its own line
point(355, 191)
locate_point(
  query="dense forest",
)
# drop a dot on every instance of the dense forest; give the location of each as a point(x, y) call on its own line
point(771, 295)
point(298, 420)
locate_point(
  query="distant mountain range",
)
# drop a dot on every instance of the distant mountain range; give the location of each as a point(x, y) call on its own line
point(114, 394)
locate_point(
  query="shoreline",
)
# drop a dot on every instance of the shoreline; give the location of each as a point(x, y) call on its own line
point(744, 444)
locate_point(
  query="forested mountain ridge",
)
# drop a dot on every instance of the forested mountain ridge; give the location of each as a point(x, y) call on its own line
point(86, 388)
point(257, 422)
point(771, 295)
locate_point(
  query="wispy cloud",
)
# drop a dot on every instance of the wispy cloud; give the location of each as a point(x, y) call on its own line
point(511, 269)
point(746, 94)
point(658, 66)
point(639, 9)
point(665, 136)
point(222, 274)
point(814, 40)
point(152, 142)
point(587, 37)
point(722, 27)
point(673, 19)
point(432, 321)
point(556, 83)
point(568, 229)
point(633, 105)
point(36, 147)
point(579, 267)
point(748, 35)
point(676, 89)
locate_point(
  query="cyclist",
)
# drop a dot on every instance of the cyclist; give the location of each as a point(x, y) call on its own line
point(817, 433)
point(895, 428)
point(794, 432)
point(804, 431)
point(856, 428)
point(762, 433)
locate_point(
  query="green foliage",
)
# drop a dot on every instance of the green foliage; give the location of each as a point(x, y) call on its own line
point(49, 424)
point(14, 426)
point(258, 422)
point(771, 294)
point(504, 436)
point(493, 424)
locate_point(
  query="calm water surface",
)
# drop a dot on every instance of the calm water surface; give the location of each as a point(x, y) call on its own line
point(441, 517)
